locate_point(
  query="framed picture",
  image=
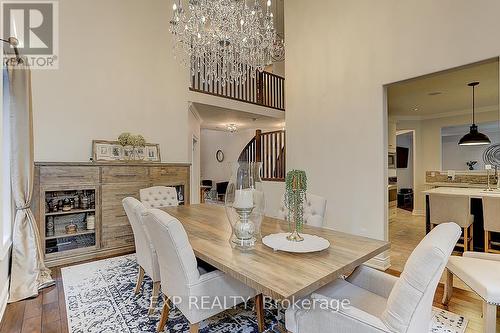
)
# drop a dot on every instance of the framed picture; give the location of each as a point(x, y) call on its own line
point(103, 150)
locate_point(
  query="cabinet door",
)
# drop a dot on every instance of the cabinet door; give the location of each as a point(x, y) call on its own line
point(391, 139)
point(116, 229)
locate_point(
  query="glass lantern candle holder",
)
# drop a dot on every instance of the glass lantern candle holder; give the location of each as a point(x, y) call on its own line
point(245, 204)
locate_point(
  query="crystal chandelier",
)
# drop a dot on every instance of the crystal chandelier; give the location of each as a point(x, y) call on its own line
point(224, 40)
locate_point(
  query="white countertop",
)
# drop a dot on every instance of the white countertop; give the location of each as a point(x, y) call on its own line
point(451, 184)
point(470, 192)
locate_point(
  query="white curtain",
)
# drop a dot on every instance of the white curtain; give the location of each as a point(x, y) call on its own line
point(28, 271)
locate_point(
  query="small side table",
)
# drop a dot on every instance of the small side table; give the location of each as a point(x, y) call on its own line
point(203, 190)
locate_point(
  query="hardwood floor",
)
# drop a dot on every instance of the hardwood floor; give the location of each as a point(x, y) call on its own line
point(47, 312)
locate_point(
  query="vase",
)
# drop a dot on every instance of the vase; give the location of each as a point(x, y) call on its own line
point(245, 204)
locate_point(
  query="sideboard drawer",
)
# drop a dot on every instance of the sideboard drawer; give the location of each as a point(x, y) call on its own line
point(169, 174)
point(72, 175)
point(124, 174)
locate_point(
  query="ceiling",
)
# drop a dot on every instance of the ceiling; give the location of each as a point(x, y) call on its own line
point(445, 92)
point(492, 127)
point(216, 118)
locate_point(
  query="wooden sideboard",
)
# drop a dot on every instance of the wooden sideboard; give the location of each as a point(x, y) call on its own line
point(102, 185)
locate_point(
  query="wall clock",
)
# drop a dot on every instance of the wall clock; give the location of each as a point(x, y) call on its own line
point(219, 155)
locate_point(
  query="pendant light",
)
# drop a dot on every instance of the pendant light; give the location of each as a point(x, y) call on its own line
point(474, 137)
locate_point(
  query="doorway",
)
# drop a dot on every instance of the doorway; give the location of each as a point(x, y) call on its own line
point(195, 170)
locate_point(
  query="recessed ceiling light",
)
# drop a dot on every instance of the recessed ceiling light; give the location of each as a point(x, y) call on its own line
point(435, 93)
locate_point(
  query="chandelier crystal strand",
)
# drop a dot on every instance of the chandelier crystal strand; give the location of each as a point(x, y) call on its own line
point(223, 40)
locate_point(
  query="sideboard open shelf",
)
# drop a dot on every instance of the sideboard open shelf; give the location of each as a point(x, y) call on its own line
point(104, 185)
point(70, 219)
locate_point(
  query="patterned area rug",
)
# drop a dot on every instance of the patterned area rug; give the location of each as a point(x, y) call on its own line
point(100, 299)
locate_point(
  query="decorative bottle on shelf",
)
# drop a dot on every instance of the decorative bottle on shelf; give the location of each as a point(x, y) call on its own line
point(49, 226)
point(90, 221)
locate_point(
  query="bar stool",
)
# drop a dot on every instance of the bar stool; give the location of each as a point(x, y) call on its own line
point(453, 208)
point(491, 214)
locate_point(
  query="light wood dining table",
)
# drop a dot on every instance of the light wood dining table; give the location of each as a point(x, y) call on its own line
point(279, 275)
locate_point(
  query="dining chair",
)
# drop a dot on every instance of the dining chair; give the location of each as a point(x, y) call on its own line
point(453, 208)
point(491, 215)
point(314, 210)
point(187, 285)
point(480, 272)
point(145, 252)
point(379, 302)
point(159, 196)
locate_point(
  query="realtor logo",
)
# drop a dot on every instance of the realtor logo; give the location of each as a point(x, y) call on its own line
point(35, 25)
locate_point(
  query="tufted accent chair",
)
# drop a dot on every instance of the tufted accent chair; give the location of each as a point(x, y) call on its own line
point(145, 252)
point(314, 210)
point(159, 196)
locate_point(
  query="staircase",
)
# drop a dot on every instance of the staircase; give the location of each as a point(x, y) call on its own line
point(270, 149)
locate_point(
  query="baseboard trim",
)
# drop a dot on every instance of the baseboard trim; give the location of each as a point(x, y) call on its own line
point(4, 297)
point(381, 262)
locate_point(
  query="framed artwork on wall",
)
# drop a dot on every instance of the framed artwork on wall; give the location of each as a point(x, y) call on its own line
point(112, 151)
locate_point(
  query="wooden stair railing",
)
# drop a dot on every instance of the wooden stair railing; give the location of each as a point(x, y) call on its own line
point(270, 149)
point(264, 89)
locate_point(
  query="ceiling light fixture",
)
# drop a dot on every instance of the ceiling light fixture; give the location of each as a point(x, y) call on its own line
point(232, 127)
point(224, 40)
point(474, 137)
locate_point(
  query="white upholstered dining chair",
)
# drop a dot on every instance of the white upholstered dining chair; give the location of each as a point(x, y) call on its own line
point(453, 208)
point(491, 214)
point(145, 252)
point(314, 210)
point(480, 272)
point(183, 281)
point(159, 196)
point(379, 302)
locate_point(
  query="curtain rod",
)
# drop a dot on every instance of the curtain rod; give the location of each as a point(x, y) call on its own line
point(13, 42)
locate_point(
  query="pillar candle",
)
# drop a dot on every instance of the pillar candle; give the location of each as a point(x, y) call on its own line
point(243, 199)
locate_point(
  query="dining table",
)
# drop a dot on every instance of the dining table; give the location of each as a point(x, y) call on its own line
point(276, 274)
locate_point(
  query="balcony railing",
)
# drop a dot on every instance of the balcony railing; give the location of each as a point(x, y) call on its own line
point(265, 89)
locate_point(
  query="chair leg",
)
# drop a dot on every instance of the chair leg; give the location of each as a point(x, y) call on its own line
point(140, 278)
point(486, 241)
point(259, 309)
point(154, 297)
point(193, 328)
point(448, 287)
point(471, 237)
point(466, 239)
point(489, 317)
point(164, 316)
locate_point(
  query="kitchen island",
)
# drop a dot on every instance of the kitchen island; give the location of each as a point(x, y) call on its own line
point(475, 195)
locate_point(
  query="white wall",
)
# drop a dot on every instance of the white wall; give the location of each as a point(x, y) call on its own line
point(340, 54)
point(117, 73)
point(232, 144)
point(455, 156)
point(428, 150)
point(405, 175)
